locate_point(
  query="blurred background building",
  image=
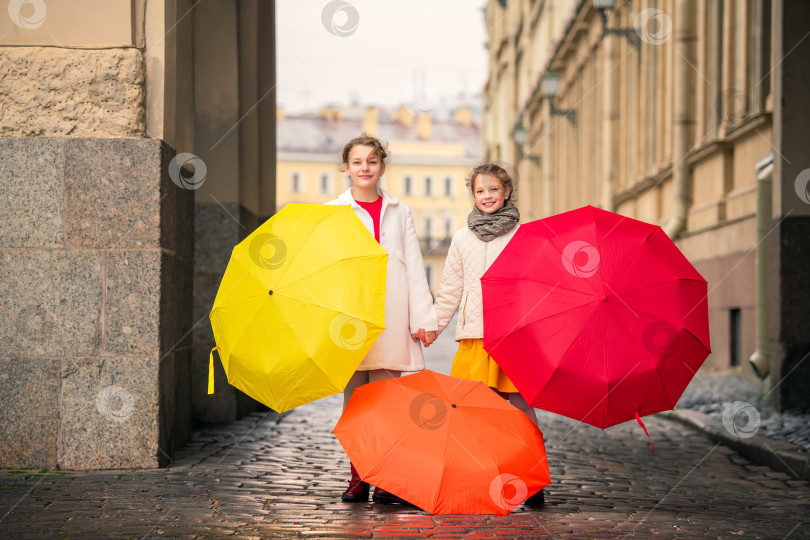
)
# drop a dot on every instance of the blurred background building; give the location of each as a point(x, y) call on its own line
point(688, 114)
point(429, 160)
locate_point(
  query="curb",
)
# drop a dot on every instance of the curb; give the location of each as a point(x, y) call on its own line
point(776, 454)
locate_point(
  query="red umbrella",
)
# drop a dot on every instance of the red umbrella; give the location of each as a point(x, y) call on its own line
point(446, 445)
point(595, 316)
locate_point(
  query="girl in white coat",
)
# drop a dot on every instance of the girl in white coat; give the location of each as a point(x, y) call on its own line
point(492, 222)
point(409, 309)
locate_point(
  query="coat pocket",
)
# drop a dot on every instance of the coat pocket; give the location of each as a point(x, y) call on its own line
point(464, 310)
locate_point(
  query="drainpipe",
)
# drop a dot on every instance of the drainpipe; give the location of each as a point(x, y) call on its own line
point(760, 360)
point(680, 135)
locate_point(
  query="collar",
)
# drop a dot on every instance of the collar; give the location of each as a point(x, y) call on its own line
point(347, 198)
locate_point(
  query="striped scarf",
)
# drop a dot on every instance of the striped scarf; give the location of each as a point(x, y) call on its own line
point(488, 227)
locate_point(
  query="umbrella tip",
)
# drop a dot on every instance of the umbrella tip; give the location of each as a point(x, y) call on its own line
point(270, 293)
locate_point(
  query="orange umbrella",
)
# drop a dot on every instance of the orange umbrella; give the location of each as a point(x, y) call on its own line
point(446, 445)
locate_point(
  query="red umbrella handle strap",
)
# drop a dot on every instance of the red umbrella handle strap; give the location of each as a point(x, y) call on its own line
point(211, 371)
point(638, 419)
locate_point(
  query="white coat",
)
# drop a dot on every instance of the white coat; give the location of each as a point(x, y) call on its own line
point(408, 303)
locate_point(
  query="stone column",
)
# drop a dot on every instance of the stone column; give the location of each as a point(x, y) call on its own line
point(95, 245)
point(790, 240)
point(235, 136)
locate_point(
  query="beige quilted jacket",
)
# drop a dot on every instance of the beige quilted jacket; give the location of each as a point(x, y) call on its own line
point(460, 286)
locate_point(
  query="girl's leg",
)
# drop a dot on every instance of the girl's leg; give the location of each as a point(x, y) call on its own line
point(382, 374)
point(358, 379)
point(517, 400)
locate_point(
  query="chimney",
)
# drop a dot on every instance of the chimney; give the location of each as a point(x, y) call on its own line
point(331, 114)
point(463, 116)
point(423, 126)
point(370, 118)
point(404, 116)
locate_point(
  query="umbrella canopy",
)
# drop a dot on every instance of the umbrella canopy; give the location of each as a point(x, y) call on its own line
point(301, 303)
point(446, 445)
point(595, 316)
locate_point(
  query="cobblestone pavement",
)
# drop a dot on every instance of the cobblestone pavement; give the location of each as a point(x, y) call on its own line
point(281, 476)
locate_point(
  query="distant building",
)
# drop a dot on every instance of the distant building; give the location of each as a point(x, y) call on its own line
point(429, 159)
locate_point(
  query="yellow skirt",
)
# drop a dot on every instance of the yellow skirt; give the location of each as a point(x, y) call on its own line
point(473, 362)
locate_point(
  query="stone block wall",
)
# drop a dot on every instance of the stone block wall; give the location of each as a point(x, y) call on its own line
point(96, 254)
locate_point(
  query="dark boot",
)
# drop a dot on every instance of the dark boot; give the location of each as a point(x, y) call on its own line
point(536, 500)
point(384, 497)
point(357, 491)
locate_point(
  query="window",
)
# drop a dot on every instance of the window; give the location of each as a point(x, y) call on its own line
point(735, 337)
point(448, 226)
point(325, 183)
point(448, 186)
point(296, 182)
point(429, 274)
point(407, 185)
point(428, 186)
point(428, 230)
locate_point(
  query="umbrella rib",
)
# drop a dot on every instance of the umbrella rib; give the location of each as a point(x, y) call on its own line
point(322, 268)
point(651, 285)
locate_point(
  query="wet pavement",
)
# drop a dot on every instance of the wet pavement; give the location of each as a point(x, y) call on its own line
point(281, 476)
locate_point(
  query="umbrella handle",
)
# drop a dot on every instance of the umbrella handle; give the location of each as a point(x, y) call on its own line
point(638, 419)
point(211, 371)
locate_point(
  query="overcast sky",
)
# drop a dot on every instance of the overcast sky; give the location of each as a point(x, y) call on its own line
point(378, 52)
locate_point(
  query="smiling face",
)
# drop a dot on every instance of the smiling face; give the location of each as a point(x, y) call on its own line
point(489, 193)
point(364, 167)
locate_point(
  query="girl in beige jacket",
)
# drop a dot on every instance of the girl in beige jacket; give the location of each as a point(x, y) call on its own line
point(491, 224)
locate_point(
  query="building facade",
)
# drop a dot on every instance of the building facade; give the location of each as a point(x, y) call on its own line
point(669, 111)
point(429, 160)
point(128, 129)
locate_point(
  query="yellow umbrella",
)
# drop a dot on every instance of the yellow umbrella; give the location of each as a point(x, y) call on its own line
point(301, 303)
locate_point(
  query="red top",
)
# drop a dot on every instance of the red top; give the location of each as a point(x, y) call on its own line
point(373, 208)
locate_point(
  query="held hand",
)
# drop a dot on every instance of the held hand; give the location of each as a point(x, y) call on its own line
point(419, 335)
point(430, 337)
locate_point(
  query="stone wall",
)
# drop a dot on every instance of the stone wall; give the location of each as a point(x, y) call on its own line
point(52, 91)
point(96, 247)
